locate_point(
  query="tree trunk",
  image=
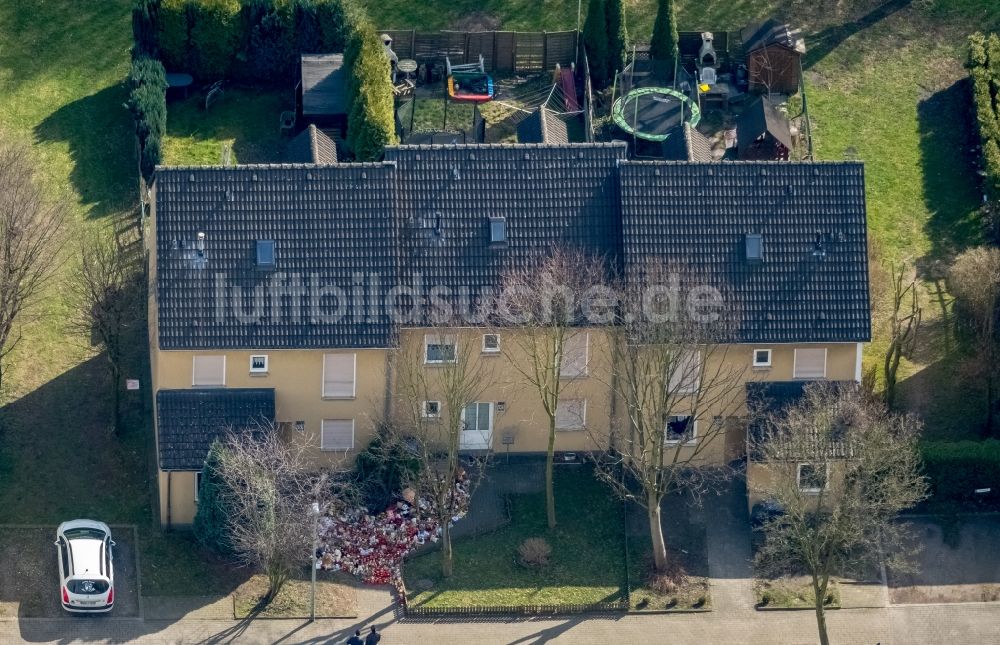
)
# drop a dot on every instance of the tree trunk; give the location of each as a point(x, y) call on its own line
point(656, 535)
point(447, 557)
point(819, 590)
point(550, 495)
point(276, 577)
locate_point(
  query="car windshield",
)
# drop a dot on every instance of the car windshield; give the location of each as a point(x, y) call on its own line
point(84, 534)
point(87, 586)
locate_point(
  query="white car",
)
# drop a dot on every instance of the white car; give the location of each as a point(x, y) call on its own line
point(85, 566)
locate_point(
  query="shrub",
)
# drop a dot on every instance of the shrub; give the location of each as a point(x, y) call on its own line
point(371, 123)
point(269, 52)
point(145, 18)
point(534, 552)
point(334, 23)
point(215, 36)
point(984, 63)
point(595, 42)
point(956, 469)
point(173, 37)
point(663, 46)
point(381, 471)
point(211, 520)
point(662, 585)
point(147, 101)
point(617, 36)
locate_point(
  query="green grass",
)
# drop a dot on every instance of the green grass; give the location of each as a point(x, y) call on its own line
point(245, 121)
point(793, 593)
point(587, 563)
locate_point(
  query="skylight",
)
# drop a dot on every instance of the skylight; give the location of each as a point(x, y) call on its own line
point(755, 247)
point(498, 230)
point(265, 254)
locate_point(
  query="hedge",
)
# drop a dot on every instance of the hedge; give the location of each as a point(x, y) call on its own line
point(956, 469)
point(249, 40)
point(663, 48)
point(147, 101)
point(371, 123)
point(984, 69)
point(145, 17)
point(595, 42)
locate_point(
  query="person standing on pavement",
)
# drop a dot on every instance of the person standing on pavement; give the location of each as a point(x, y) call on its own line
point(373, 637)
point(356, 639)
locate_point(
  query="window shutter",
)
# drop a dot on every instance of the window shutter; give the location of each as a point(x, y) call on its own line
point(338, 375)
point(571, 414)
point(209, 370)
point(574, 355)
point(337, 434)
point(810, 363)
point(686, 377)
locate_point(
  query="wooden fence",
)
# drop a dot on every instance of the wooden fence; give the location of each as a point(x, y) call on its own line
point(616, 606)
point(502, 51)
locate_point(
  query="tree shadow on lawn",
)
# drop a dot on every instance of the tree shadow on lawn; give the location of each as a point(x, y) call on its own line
point(821, 43)
point(100, 134)
point(951, 190)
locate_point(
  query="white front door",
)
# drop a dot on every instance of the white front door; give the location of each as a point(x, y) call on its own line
point(477, 426)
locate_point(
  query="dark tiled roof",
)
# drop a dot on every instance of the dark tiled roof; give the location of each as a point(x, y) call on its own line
point(311, 146)
point(771, 32)
point(543, 126)
point(188, 421)
point(323, 84)
point(698, 216)
point(547, 195)
point(759, 117)
point(327, 223)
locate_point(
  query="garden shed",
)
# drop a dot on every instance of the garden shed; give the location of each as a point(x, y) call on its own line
point(763, 133)
point(323, 82)
point(773, 57)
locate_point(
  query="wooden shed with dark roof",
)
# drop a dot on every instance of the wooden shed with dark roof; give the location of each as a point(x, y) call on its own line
point(773, 57)
point(763, 133)
point(323, 87)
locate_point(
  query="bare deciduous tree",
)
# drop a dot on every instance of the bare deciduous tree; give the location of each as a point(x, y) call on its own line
point(268, 489)
point(842, 467)
point(678, 383)
point(107, 286)
point(429, 409)
point(975, 280)
point(548, 347)
point(31, 228)
point(903, 326)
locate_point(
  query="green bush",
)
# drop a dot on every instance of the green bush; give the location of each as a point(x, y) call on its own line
point(269, 51)
point(173, 33)
point(333, 22)
point(381, 471)
point(617, 36)
point(595, 42)
point(211, 522)
point(216, 31)
point(147, 101)
point(984, 63)
point(663, 47)
point(145, 18)
point(955, 469)
point(371, 123)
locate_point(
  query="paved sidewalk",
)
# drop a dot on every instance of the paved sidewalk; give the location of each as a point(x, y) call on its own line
point(729, 566)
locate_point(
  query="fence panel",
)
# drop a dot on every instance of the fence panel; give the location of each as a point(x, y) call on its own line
point(453, 46)
point(426, 47)
point(503, 48)
point(481, 43)
point(529, 52)
point(560, 47)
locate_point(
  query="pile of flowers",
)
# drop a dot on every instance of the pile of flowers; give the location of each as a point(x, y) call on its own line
point(372, 547)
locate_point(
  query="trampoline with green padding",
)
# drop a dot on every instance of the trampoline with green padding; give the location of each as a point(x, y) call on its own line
point(651, 113)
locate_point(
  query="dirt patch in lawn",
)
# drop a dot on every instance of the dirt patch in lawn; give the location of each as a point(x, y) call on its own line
point(29, 568)
point(336, 597)
point(793, 592)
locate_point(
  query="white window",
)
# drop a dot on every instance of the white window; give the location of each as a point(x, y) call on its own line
point(258, 364)
point(209, 371)
point(491, 343)
point(439, 348)
point(574, 355)
point(762, 358)
point(571, 414)
point(339, 375)
point(680, 428)
point(337, 434)
point(432, 409)
point(813, 478)
point(686, 377)
point(477, 425)
point(810, 363)
point(197, 486)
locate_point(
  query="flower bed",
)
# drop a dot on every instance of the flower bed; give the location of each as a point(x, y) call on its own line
point(372, 547)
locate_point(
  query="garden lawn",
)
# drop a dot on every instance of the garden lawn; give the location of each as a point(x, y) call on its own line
point(244, 121)
point(587, 563)
point(62, 64)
